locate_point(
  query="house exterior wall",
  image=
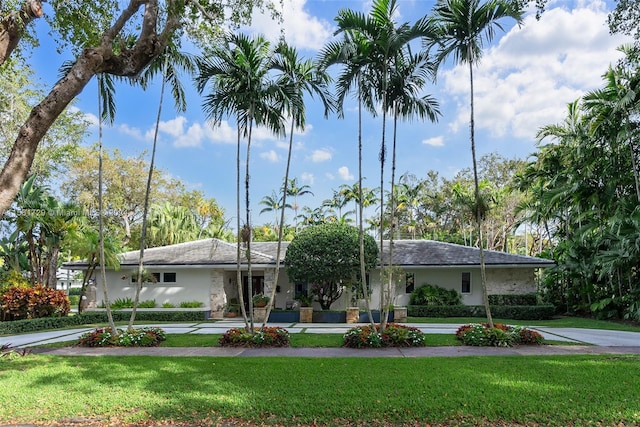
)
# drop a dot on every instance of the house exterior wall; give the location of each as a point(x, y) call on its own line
point(499, 281)
point(190, 285)
point(216, 287)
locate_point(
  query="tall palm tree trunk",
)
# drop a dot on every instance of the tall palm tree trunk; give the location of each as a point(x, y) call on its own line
point(478, 209)
point(363, 268)
point(143, 232)
point(390, 288)
point(280, 226)
point(103, 273)
point(238, 246)
point(248, 229)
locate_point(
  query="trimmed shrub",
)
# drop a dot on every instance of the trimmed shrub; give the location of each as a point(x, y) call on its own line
point(96, 317)
point(265, 337)
point(431, 295)
point(395, 335)
point(511, 299)
point(32, 303)
point(103, 337)
point(74, 291)
point(501, 335)
point(519, 312)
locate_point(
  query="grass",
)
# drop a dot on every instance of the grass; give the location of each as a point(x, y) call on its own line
point(560, 322)
point(297, 340)
point(553, 391)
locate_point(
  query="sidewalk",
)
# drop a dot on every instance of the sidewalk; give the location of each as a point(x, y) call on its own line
point(583, 341)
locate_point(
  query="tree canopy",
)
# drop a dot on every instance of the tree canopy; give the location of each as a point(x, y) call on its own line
point(327, 257)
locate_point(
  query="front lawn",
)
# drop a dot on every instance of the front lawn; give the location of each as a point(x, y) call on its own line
point(554, 390)
point(560, 322)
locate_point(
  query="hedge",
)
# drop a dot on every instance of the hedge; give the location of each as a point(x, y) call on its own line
point(510, 299)
point(515, 312)
point(87, 318)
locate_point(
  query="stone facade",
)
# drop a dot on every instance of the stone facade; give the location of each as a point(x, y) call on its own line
point(217, 295)
point(511, 281)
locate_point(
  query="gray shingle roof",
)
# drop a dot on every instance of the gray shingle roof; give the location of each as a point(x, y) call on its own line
point(426, 253)
point(432, 253)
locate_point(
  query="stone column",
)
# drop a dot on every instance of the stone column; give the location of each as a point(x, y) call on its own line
point(306, 314)
point(353, 314)
point(217, 296)
point(400, 314)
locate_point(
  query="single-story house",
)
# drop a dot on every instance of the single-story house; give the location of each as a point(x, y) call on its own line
point(205, 270)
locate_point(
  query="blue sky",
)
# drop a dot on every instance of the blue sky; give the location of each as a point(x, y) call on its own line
point(524, 81)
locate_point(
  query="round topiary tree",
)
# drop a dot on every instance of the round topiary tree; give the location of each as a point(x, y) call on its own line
point(328, 257)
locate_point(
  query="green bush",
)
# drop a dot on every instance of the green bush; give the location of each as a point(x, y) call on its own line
point(168, 305)
point(151, 303)
point(265, 337)
point(395, 335)
point(103, 337)
point(510, 299)
point(191, 304)
point(95, 317)
point(501, 335)
point(431, 295)
point(74, 291)
point(519, 312)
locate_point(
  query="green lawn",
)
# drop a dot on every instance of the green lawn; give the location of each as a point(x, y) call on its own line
point(554, 390)
point(561, 322)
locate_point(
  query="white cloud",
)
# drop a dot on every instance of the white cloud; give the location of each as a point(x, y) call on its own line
point(300, 29)
point(173, 127)
point(222, 133)
point(321, 156)
point(526, 81)
point(307, 178)
point(192, 138)
point(436, 141)
point(345, 174)
point(270, 156)
point(131, 131)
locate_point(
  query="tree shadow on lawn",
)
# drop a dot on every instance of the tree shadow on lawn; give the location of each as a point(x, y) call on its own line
point(550, 390)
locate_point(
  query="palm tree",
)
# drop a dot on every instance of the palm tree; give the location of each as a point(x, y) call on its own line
point(104, 91)
point(237, 71)
point(166, 65)
point(296, 78)
point(296, 190)
point(461, 28)
point(386, 41)
point(352, 52)
point(408, 76)
point(273, 203)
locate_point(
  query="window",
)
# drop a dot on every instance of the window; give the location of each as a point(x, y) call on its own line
point(155, 277)
point(409, 282)
point(466, 283)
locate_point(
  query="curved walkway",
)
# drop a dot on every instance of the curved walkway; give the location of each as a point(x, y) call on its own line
point(582, 341)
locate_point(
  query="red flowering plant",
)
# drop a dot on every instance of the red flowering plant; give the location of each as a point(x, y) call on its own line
point(265, 337)
point(104, 337)
point(394, 335)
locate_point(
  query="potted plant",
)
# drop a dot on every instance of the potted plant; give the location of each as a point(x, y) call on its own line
point(304, 300)
point(233, 308)
point(260, 300)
